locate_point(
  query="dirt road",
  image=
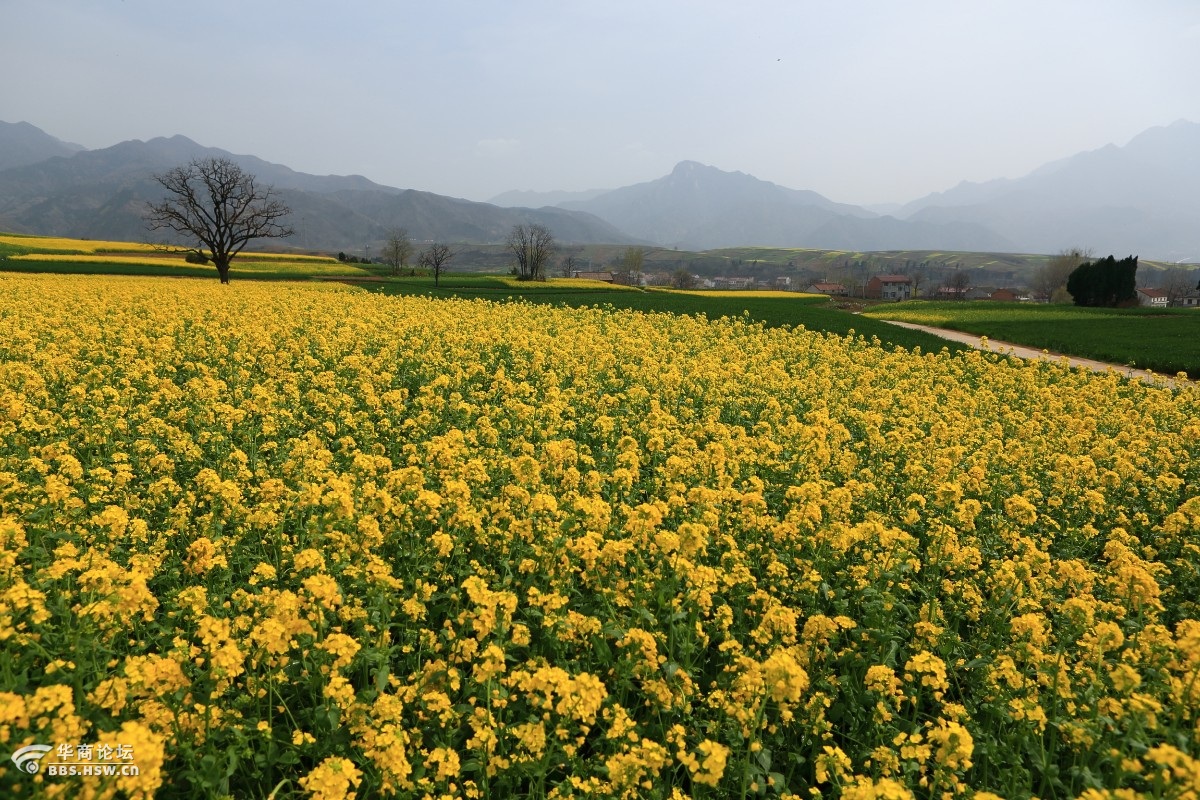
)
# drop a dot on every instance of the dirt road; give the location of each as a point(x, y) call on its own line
point(1022, 351)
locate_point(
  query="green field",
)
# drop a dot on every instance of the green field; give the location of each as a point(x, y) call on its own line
point(1163, 340)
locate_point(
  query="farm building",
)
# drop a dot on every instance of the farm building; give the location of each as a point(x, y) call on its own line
point(1189, 300)
point(890, 287)
point(1155, 298)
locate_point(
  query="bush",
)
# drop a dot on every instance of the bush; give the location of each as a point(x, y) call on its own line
point(194, 257)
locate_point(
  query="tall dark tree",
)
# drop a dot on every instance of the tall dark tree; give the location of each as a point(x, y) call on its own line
point(216, 203)
point(533, 246)
point(1105, 282)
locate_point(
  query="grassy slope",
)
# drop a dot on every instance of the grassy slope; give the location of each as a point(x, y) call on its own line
point(1164, 340)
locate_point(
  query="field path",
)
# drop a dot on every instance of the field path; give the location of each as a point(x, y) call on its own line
point(1023, 351)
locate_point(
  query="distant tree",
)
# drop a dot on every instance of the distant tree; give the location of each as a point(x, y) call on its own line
point(1061, 297)
point(682, 279)
point(1105, 282)
point(632, 261)
point(568, 266)
point(958, 282)
point(1054, 273)
point(213, 201)
point(1176, 283)
point(397, 250)
point(919, 277)
point(435, 258)
point(533, 246)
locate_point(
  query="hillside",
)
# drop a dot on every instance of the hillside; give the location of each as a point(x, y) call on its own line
point(1136, 199)
point(22, 144)
point(101, 194)
point(700, 207)
point(1140, 198)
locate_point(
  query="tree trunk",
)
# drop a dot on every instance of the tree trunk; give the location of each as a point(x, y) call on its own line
point(223, 270)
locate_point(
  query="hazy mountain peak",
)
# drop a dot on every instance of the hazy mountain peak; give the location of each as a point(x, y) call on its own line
point(1179, 134)
point(22, 144)
point(1139, 198)
point(692, 167)
point(694, 170)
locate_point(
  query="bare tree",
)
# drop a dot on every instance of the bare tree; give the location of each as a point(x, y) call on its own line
point(568, 266)
point(1053, 275)
point(1176, 282)
point(397, 250)
point(533, 246)
point(632, 261)
point(436, 257)
point(919, 277)
point(958, 283)
point(216, 203)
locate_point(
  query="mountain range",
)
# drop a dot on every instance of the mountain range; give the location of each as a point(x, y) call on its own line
point(1138, 199)
point(102, 194)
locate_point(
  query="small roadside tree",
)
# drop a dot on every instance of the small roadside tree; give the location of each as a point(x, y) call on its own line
point(533, 246)
point(435, 258)
point(215, 202)
point(397, 250)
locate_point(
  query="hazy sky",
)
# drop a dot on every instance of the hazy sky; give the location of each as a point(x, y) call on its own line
point(865, 101)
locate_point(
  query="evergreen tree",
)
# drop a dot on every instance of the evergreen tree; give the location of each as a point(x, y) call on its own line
point(1105, 282)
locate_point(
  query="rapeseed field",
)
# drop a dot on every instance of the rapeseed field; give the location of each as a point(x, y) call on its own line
point(288, 541)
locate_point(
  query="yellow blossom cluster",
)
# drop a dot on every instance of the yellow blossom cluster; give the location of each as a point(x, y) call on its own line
point(289, 540)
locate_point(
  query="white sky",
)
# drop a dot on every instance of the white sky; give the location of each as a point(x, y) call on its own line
point(865, 101)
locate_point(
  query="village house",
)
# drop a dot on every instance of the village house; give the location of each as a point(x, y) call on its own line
point(1154, 298)
point(951, 293)
point(735, 283)
point(1189, 300)
point(831, 289)
point(890, 287)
